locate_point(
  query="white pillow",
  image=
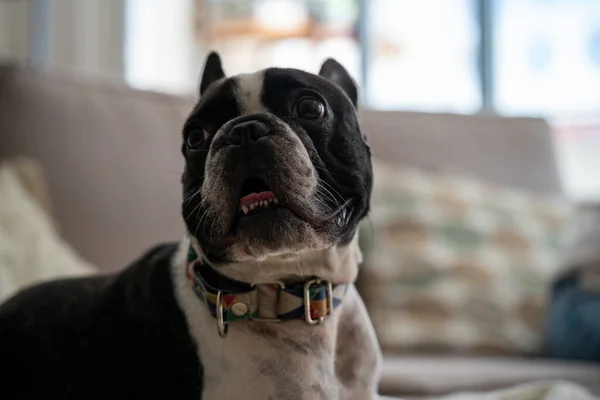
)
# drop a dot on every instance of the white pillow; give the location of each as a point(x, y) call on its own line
point(31, 250)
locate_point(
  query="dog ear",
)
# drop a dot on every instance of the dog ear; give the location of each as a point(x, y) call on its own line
point(213, 71)
point(334, 71)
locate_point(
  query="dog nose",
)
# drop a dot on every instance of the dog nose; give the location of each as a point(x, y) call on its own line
point(249, 131)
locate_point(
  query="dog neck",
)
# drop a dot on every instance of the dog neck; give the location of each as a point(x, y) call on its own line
point(268, 359)
point(337, 264)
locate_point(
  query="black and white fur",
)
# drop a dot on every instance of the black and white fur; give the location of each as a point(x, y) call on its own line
point(144, 332)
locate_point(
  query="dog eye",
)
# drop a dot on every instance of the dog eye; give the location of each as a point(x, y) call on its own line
point(310, 108)
point(196, 137)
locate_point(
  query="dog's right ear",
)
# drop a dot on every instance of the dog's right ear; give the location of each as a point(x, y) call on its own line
point(213, 71)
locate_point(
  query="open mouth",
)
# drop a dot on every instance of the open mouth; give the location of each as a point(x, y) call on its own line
point(256, 197)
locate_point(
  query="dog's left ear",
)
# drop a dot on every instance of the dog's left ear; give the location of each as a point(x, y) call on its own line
point(334, 71)
point(213, 71)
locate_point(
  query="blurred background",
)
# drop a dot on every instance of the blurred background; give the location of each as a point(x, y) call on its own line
point(512, 57)
point(483, 117)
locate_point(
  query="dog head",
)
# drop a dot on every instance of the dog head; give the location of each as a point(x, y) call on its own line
point(276, 163)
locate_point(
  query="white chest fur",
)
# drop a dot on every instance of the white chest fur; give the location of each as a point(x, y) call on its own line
point(290, 360)
point(263, 361)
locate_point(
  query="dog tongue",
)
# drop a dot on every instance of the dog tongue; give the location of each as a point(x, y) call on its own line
point(252, 198)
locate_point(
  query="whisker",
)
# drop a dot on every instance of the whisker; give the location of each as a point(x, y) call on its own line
point(321, 179)
point(212, 225)
point(331, 196)
point(260, 272)
point(185, 201)
point(332, 188)
point(327, 208)
point(196, 230)
point(192, 212)
point(300, 267)
point(204, 215)
point(335, 202)
point(200, 220)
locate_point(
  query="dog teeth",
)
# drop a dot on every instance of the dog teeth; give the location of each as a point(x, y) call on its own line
point(264, 204)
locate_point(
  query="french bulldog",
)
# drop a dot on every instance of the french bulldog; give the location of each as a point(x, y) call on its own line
point(258, 301)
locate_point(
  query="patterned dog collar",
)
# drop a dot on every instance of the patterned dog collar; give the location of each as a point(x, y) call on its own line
point(229, 300)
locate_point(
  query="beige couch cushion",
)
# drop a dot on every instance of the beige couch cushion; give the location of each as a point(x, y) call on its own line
point(30, 249)
point(457, 264)
point(437, 375)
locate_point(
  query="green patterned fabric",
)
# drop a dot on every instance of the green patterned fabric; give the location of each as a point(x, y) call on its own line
point(456, 264)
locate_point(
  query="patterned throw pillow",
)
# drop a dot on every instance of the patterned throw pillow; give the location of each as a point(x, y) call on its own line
point(455, 264)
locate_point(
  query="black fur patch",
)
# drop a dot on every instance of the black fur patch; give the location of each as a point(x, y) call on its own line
point(119, 336)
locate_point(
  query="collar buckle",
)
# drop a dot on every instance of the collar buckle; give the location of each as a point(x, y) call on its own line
point(221, 325)
point(307, 301)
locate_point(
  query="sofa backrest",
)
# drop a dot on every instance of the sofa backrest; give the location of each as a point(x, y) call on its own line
point(517, 152)
point(112, 154)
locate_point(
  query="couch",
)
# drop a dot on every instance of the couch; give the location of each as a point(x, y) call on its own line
point(111, 157)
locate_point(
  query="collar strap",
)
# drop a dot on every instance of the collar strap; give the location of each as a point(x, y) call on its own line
point(229, 300)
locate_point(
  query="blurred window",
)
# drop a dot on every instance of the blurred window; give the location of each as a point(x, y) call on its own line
point(423, 55)
point(160, 48)
point(168, 39)
point(254, 34)
point(546, 62)
point(547, 57)
point(524, 57)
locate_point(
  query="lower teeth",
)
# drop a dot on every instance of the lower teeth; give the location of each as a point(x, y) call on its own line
point(262, 206)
